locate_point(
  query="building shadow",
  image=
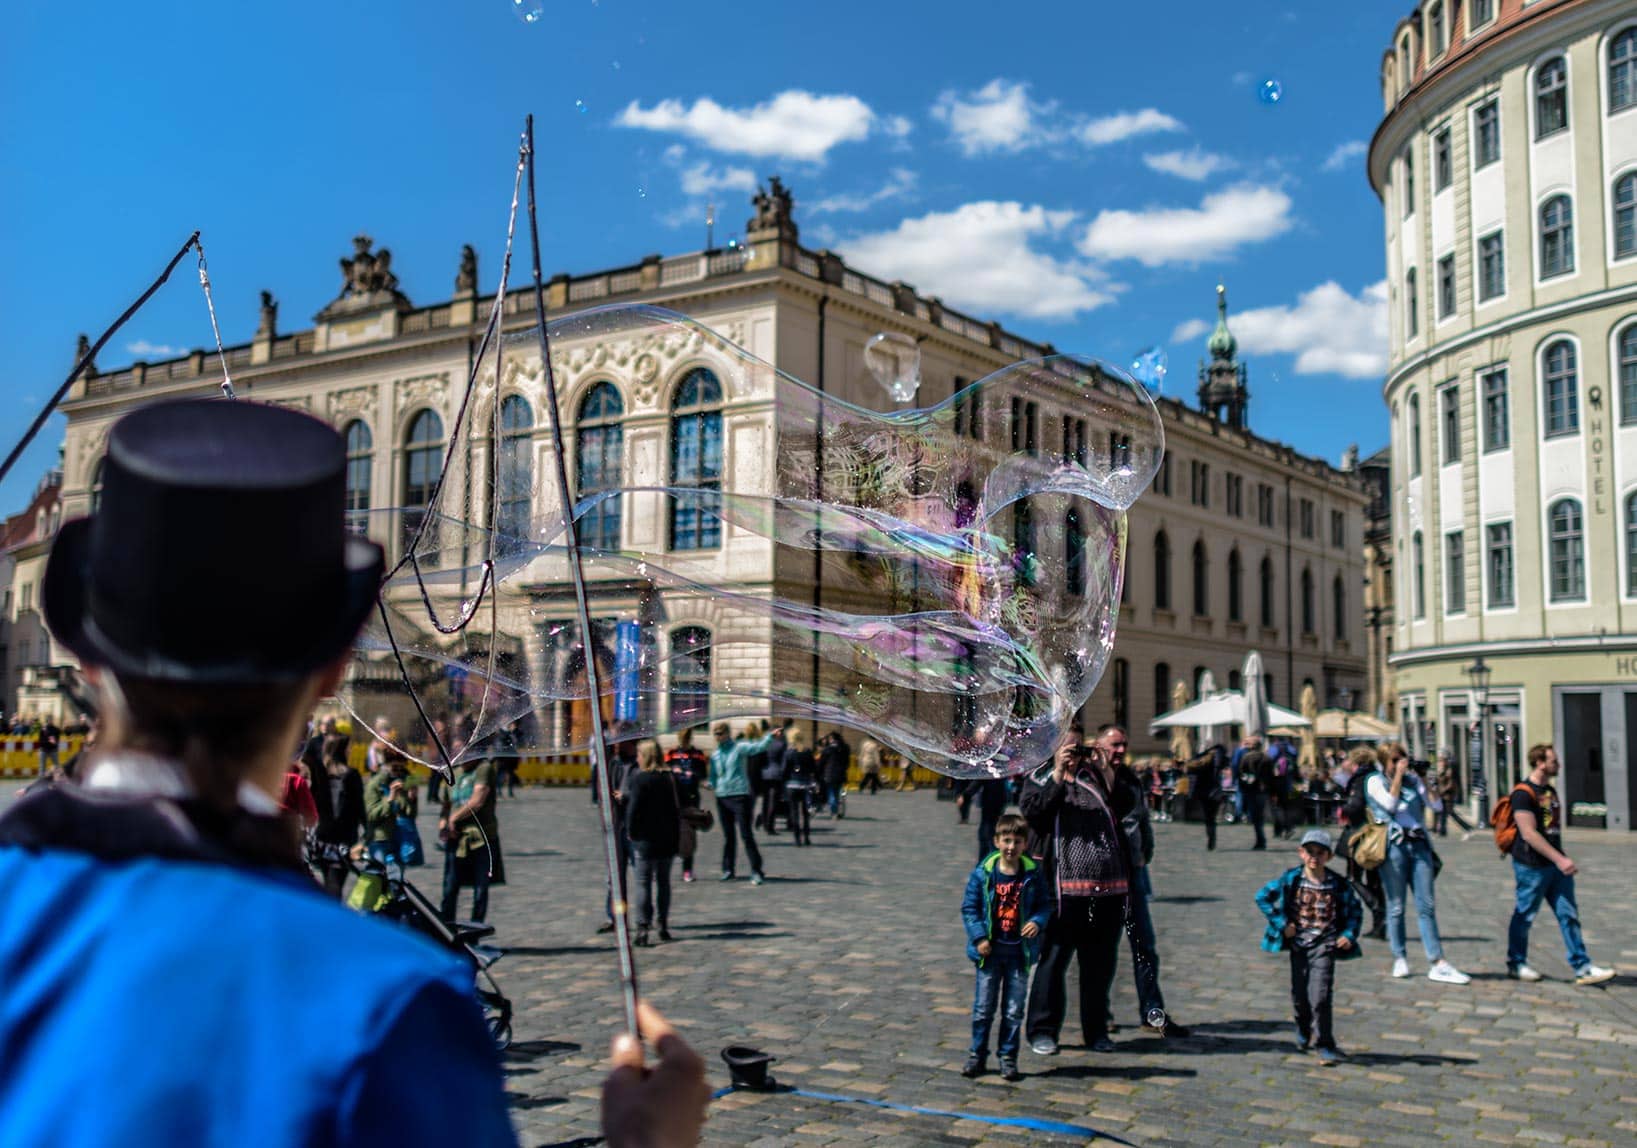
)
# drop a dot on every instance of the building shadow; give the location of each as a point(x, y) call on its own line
point(1110, 1072)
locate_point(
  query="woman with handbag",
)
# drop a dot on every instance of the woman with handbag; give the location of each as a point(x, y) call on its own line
point(653, 821)
point(1398, 802)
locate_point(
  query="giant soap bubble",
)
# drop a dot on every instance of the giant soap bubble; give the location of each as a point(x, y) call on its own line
point(945, 579)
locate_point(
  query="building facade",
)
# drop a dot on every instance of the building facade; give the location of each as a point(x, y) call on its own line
point(1506, 162)
point(1241, 543)
point(31, 662)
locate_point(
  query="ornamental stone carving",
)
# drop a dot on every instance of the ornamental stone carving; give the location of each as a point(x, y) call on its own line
point(355, 402)
point(423, 390)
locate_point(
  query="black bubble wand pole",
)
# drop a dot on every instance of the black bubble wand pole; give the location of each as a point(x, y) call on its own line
point(593, 678)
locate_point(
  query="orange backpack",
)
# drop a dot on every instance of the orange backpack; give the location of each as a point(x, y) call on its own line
point(1504, 824)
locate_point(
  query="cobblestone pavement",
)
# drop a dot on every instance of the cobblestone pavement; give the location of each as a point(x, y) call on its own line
point(848, 965)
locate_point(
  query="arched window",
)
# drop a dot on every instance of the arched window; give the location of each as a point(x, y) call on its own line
point(1418, 562)
point(1561, 389)
point(515, 476)
point(1623, 70)
point(690, 676)
point(1122, 692)
point(1412, 306)
point(1162, 687)
point(1415, 435)
point(1236, 680)
point(1202, 580)
point(423, 459)
point(1625, 216)
point(1435, 29)
point(1404, 62)
point(1626, 360)
point(599, 442)
point(1236, 586)
point(360, 464)
point(1631, 546)
point(1074, 546)
point(1551, 97)
point(696, 462)
point(1556, 237)
point(1267, 591)
point(1567, 541)
point(96, 483)
point(1162, 571)
point(1310, 622)
point(1338, 607)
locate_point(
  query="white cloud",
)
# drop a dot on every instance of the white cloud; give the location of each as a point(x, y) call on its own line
point(1124, 125)
point(793, 125)
point(153, 350)
point(981, 257)
point(998, 117)
point(1223, 221)
point(1328, 330)
point(896, 127)
point(1189, 329)
point(900, 182)
point(1194, 164)
point(1344, 154)
point(702, 179)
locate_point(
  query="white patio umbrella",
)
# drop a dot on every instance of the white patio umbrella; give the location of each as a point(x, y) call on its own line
point(1224, 708)
point(1256, 697)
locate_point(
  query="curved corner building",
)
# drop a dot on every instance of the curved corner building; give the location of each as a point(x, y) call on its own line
point(1506, 163)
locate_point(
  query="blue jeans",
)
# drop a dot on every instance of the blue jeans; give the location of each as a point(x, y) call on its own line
point(1537, 883)
point(1409, 868)
point(1003, 981)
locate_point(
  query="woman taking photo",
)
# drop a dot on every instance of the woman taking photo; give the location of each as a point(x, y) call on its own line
point(1398, 799)
point(653, 814)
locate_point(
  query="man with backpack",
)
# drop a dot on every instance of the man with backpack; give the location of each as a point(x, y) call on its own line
point(1528, 828)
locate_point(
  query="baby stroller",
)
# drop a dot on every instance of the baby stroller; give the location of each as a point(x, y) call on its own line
point(376, 891)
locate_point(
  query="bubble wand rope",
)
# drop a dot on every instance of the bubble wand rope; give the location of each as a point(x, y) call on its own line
point(89, 356)
point(599, 750)
point(210, 305)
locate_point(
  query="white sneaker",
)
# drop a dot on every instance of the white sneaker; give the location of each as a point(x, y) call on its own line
point(1523, 973)
point(1401, 967)
point(1447, 974)
point(1593, 975)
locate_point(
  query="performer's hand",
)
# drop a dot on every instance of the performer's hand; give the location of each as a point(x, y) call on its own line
point(659, 1107)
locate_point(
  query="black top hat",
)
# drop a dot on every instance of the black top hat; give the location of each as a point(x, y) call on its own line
point(218, 552)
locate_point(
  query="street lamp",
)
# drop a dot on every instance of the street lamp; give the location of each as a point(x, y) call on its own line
point(1479, 671)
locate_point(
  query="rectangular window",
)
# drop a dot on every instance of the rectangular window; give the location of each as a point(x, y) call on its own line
point(1199, 483)
point(1440, 160)
point(1074, 440)
point(1162, 478)
point(1497, 417)
point(1119, 451)
point(1264, 504)
point(1446, 287)
point(1234, 494)
point(1486, 133)
point(1483, 11)
point(1449, 422)
point(1454, 572)
point(1025, 426)
point(1419, 573)
point(1409, 183)
point(968, 412)
point(1435, 28)
point(1338, 530)
point(1412, 319)
point(1498, 540)
point(1491, 267)
point(1307, 517)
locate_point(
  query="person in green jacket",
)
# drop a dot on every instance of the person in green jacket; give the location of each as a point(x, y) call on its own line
point(387, 798)
point(733, 800)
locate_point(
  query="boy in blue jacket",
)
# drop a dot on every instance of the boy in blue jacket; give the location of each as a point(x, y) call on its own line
point(1005, 908)
point(1315, 915)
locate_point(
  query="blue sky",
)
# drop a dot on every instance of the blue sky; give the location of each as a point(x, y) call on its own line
point(1083, 171)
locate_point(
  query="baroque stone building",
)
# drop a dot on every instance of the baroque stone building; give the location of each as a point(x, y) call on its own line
point(1242, 542)
point(1506, 163)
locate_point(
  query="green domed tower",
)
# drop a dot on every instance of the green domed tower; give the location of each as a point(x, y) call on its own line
point(1223, 390)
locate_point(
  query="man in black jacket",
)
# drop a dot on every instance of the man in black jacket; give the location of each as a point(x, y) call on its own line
point(338, 792)
point(1073, 820)
point(1255, 783)
point(1138, 832)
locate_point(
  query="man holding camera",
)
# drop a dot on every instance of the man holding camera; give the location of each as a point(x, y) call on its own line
point(1074, 824)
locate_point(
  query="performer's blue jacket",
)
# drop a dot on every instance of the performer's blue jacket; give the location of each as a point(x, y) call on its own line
point(170, 979)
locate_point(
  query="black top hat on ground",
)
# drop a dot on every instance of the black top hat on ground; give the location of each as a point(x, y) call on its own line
point(748, 1067)
point(218, 552)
